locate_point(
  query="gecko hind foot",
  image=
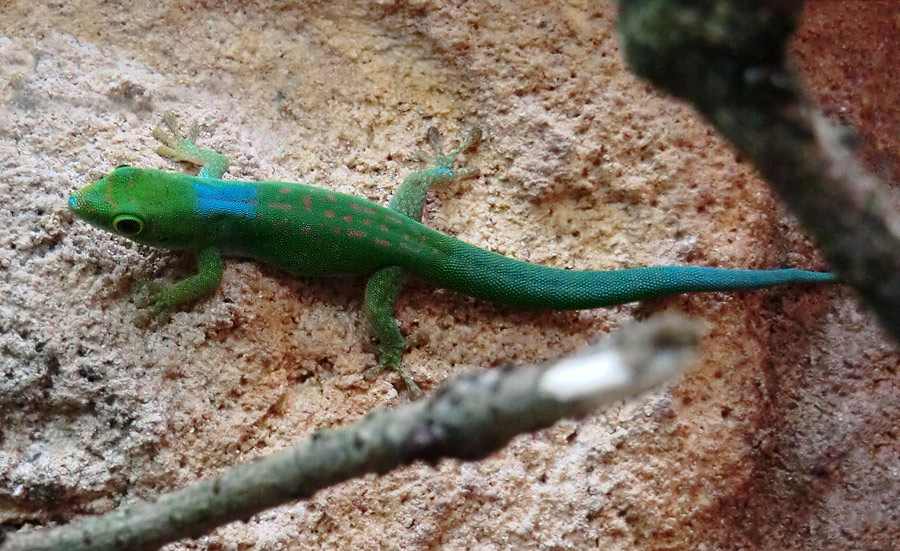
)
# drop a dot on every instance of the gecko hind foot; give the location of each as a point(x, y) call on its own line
point(440, 160)
point(390, 360)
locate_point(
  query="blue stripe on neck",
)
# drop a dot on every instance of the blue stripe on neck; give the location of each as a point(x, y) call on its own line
point(225, 198)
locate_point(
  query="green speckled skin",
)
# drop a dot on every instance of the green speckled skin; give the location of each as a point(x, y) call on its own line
point(315, 232)
point(302, 229)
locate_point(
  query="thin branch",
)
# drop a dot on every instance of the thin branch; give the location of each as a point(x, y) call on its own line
point(468, 418)
point(729, 58)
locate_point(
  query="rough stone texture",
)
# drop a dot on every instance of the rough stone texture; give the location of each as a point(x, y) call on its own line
point(786, 436)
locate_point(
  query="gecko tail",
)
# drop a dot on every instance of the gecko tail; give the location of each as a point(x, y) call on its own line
point(496, 278)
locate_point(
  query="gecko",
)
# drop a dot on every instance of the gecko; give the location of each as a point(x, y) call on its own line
point(311, 231)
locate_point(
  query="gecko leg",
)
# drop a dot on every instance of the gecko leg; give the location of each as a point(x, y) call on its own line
point(384, 285)
point(162, 300)
point(181, 148)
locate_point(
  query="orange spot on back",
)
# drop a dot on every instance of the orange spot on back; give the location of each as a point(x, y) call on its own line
point(281, 206)
point(337, 231)
point(394, 219)
point(356, 233)
point(331, 197)
point(367, 221)
point(382, 242)
point(284, 190)
point(362, 208)
point(329, 214)
point(383, 227)
point(348, 218)
point(307, 203)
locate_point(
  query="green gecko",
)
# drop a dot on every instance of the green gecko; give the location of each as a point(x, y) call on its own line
point(311, 231)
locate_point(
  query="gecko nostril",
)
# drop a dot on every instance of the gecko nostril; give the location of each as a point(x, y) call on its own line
point(79, 204)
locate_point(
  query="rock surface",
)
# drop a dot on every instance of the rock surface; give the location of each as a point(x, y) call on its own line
point(785, 436)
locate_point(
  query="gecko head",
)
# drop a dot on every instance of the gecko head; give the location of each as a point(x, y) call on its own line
point(97, 204)
point(128, 203)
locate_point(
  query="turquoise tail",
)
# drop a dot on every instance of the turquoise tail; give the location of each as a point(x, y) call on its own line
point(503, 280)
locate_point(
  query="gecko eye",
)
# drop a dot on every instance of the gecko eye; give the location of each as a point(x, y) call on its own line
point(128, 225)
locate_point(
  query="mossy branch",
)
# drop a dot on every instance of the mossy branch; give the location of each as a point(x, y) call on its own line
point(729, 58)
point(467, 418)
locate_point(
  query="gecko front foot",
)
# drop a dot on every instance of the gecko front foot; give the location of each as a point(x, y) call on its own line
point(181, 148)
point(158, 300)
point(153, 307)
